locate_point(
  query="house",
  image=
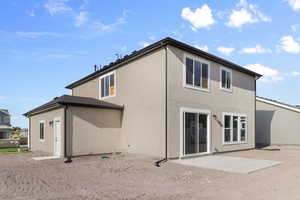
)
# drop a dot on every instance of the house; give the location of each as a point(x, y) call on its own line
point(167, 100)
point(24, 132)
point(277, 123)
point(5, 126)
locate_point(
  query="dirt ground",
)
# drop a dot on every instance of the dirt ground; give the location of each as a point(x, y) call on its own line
point(128, 177)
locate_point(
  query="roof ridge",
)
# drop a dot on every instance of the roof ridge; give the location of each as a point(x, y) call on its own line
point(157, 45)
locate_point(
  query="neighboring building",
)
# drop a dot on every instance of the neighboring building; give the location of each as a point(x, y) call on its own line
point(5, 126)
point(166, 100)
point(276, 123)
point(24, 132)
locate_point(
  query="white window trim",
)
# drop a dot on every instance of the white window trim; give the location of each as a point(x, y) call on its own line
point(227, 70)
point(184, 72)
point(100, 86)
point(42, 122)
point(181, 139)
point(231, 133)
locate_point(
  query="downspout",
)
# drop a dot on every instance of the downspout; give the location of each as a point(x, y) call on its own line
point(68, 158)
point(256, 78)
point(29, 132)
point(157, 163)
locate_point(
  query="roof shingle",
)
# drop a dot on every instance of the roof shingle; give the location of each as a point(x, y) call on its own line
point(74, 101)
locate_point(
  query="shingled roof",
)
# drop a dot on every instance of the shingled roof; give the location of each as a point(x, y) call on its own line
point(158, 45)
point(73, 101)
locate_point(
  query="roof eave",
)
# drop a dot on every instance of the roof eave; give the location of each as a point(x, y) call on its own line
point(158, 45)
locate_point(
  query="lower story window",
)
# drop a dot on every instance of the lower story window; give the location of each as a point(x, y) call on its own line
point(234, 128)
point(42, 130)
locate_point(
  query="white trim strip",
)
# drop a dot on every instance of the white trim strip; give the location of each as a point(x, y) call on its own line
point(278, 104)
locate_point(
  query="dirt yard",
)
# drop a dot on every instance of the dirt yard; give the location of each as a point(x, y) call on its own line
point(125, 177)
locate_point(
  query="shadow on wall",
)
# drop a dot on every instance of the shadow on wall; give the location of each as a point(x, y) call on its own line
point(263, 128)
point(88, 121)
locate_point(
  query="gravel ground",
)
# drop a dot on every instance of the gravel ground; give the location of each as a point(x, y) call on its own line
point(128, 177)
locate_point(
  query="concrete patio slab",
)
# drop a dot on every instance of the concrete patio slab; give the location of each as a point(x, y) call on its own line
point(229, 164)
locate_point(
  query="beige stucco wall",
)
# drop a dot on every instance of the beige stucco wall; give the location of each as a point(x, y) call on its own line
point(140, 88)
point(89, 89)
point(276, 125)
point(217, 101)
point(48, 144)
point(94, 130)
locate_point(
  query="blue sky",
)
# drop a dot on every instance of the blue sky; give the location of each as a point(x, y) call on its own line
point(47, 44)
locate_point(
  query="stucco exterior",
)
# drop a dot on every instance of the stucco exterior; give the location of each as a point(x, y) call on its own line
point(241, 100)
point(150, 88)
point(140, 87)
point(143, 124)
point(276, 125)
point(94, 131)
point(48, 144)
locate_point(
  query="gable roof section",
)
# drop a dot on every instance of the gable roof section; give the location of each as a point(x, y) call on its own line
point(158, 45)
point(73, 101)
point(278, 104)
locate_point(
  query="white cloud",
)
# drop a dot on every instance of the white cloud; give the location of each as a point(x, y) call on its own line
point(144, 44)
point(293, 74)
point(294, 27)
point(201, 18)
point(295, 4)
point(225, 50)
point(240, 17)
point(31, 13)
point(57, 6)
point(288, 44)
point(123, 48)
point(109, 27)
point(2, 98)
point(246, 14)
point(269, 74)
point(152, 37)
point(81, 19)
point(203, 48)
point(58, 56)
point(61, 55)
point(34, 35)
point(257, 49)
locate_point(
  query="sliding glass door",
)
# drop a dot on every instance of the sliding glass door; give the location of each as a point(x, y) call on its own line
point(195, 134)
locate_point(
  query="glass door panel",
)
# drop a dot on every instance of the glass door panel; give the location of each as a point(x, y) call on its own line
point(202, 133)
point(195, 133)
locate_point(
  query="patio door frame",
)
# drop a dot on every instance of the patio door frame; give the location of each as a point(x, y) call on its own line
point(57, 145)
point(182, 130)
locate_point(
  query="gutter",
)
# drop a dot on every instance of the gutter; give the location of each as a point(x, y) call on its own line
point(158, 163)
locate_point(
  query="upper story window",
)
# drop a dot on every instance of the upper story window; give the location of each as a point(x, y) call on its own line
point(226, 79)
point(42, 130)
point(5, 120)
point(108, 85)
point(196, 74)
